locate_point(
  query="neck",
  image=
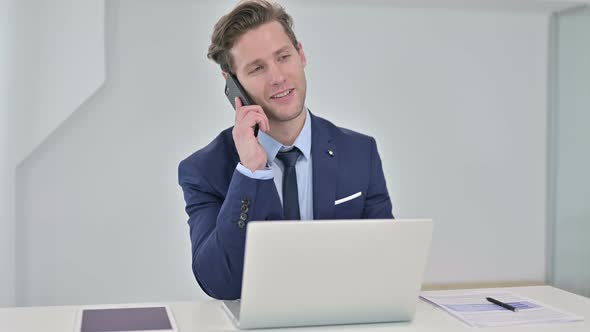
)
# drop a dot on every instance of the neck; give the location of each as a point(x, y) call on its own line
point(286, 132)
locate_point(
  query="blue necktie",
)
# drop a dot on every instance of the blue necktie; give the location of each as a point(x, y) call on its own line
point(290, 195)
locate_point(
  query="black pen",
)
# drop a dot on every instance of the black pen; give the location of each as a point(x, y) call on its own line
point(502, 304)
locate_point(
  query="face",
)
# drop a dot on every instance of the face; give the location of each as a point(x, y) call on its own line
point(270, 68)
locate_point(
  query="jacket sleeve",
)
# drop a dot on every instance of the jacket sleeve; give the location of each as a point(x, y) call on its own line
point(378, 203)
point(218, 226)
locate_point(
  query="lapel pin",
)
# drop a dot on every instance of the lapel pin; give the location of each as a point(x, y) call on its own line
point(331, 153)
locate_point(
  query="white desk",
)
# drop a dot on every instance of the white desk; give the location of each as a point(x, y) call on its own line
point(209, 316)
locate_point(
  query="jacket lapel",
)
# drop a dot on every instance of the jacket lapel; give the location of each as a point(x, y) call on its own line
point(325, 168)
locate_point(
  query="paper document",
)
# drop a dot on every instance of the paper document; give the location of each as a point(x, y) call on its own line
point(472, 308)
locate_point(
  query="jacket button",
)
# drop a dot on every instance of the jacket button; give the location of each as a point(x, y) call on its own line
point(245, 202)
point(244, 208)
point(243, 217)
point(241, 224)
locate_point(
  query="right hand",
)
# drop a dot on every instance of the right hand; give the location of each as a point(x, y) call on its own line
point(251, 153)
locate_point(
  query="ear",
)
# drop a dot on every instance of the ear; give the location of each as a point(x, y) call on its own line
point(301, 54)
point(224, 74)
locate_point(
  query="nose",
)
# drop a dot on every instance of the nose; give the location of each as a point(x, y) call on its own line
point(276, 74)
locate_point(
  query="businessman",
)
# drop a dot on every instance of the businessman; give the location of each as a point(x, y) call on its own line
point(300, 166)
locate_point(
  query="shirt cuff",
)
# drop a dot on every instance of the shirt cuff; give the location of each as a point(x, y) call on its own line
point(259, 174)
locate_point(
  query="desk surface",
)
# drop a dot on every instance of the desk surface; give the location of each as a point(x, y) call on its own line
point(209, 316)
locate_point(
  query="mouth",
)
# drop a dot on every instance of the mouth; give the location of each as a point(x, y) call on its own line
point(282, 94)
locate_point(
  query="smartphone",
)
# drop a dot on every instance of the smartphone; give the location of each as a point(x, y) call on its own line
point(234, 89)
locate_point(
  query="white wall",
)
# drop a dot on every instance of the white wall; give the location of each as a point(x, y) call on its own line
point(58, 63)
point(7, 9)
point(457, 100)
point(60, 56)
point(459, 115)
point(571, 266)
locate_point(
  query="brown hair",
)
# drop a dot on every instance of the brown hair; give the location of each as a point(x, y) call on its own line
point(247, 15)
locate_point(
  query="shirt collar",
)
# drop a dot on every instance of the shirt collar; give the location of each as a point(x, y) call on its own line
point(302, 142)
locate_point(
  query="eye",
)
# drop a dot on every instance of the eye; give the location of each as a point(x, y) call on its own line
point(255, 70)
point(284, 57)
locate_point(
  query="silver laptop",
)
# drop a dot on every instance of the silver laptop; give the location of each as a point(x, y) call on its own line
point(303, 273)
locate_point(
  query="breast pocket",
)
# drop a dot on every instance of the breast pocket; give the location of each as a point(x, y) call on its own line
point(348, 198)
point(349, 206)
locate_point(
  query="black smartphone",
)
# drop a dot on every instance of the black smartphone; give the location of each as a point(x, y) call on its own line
point(234, 89)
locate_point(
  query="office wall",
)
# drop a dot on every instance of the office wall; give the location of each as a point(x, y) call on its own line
point(7, 8)
point(60, 60)
point(571, 266)
point(455, 99)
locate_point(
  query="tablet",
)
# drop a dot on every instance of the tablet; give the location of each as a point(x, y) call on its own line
point(125, 318)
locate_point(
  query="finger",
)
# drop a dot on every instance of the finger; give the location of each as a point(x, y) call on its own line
point(265, 126)
point(252, 118)
point(263, 123)
point(238, 104)
point(244, 110)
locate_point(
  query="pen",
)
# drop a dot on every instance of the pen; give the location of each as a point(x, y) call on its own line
point(502, 304)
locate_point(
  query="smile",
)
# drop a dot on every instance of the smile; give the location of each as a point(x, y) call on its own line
point(283, 94)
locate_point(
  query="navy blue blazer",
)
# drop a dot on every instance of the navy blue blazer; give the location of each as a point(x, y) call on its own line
point(217, 195)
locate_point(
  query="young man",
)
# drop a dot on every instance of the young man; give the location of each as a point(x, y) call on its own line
point(300, 166)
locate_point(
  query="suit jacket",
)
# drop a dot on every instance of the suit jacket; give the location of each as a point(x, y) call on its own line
point(220, 200)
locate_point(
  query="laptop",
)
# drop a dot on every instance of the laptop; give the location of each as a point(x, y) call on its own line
point(327, 272)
